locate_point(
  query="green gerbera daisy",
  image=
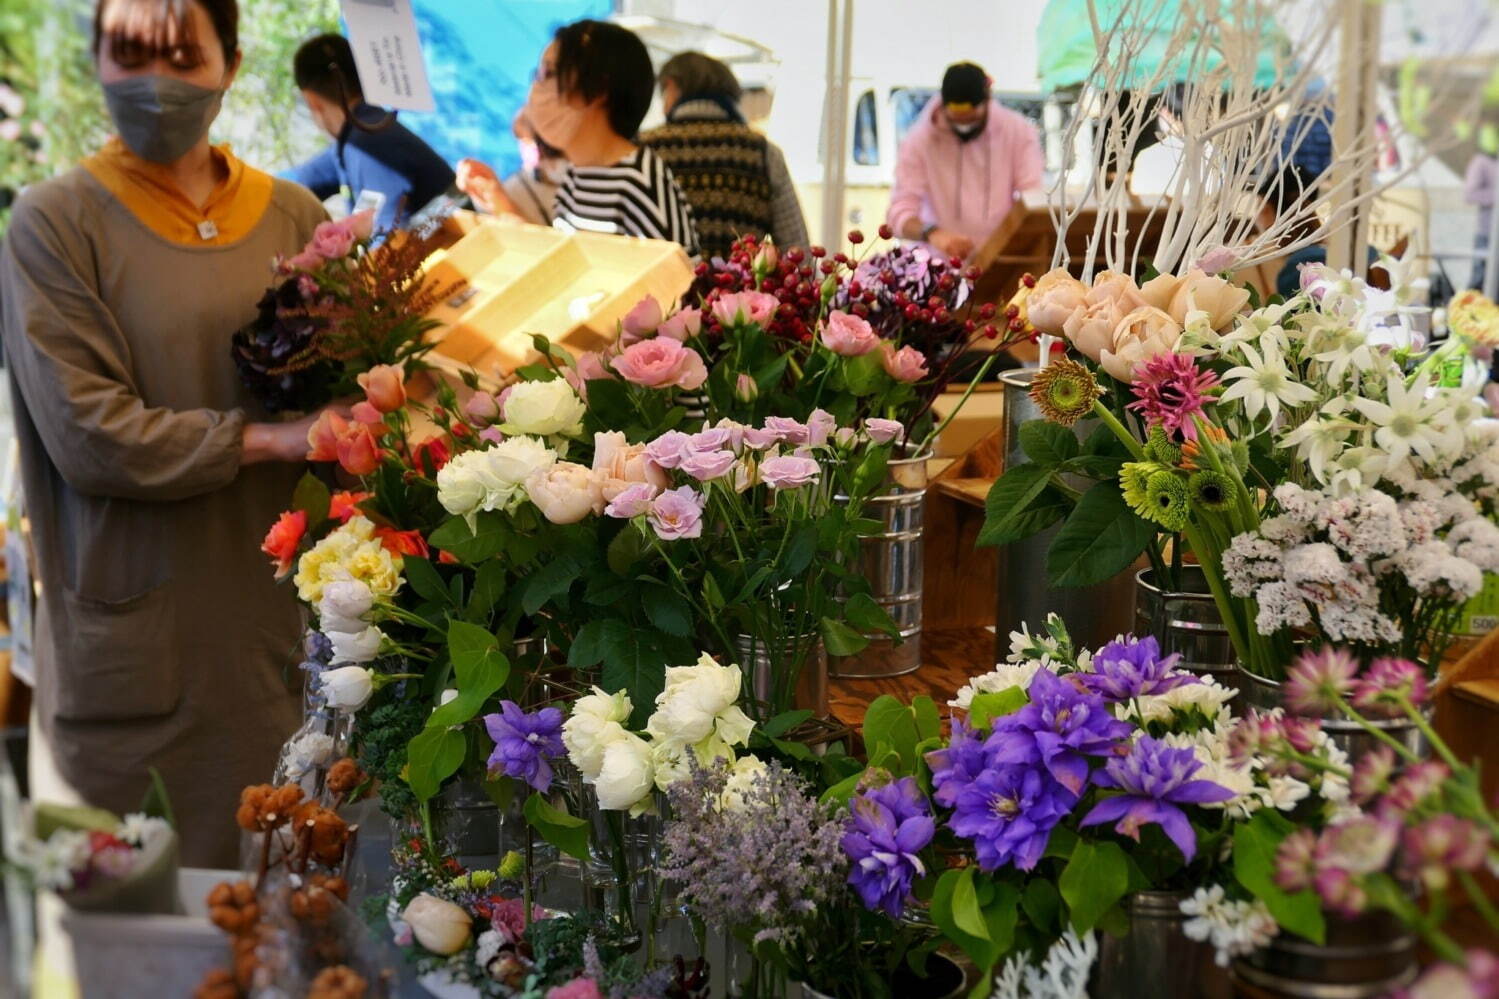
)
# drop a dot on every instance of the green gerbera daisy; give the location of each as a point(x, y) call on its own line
point(1160, 447)
point(1167, 498)
point(1133, 476)
point(1239, 451)
point(1064, 391)
point(1210, 491)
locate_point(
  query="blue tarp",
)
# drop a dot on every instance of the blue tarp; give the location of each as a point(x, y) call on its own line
point(480, 57)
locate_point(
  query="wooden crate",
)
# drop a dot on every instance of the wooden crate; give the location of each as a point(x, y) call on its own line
point(519, 280)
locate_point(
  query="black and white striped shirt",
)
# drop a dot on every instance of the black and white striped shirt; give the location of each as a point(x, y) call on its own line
point(635, 197)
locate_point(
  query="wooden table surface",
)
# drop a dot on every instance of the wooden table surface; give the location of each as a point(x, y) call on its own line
point(949, 658)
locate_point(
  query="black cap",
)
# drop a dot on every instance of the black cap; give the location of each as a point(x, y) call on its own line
point(965, 83)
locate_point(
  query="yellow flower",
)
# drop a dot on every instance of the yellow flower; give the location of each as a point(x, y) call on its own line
point(349, 552)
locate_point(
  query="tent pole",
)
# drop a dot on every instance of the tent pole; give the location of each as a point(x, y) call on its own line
point(835, 150)
point(1353, 124)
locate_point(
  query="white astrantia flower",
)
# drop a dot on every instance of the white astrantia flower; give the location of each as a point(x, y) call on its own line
point(1207, 696)
point(1284, 793)
point(1211, 747)
point(1264, 383)
point(1234, 927)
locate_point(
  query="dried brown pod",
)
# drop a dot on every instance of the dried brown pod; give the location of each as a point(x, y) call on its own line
point(263, 807)
point(217, 984)
point(339, 982)
point(326, 831)
point(345, 775)
point(232, 907)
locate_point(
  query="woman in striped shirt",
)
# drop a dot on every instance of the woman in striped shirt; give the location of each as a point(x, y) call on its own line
point(590, 93)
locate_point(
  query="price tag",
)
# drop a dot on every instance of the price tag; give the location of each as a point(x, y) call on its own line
point(388, 53)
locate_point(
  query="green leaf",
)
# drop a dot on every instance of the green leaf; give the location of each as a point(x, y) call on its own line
point(479, 670)
point(157, 803)
point(312, 497)
point(1094, 879)
point(979, 948)
point(864, 613)
point(799, 553)
point(928, 720)
point(552, 581)
point(454, 537)
point(588, 644)
point(1047, 443)
point(626, 550)
point(1008, 509)
point(567, 833)
point(870, 475)
point(890, 724)
point(1042, 904)
point(633, 662)
point(843, 790)
point(840, 639)
point(795, 750)
point(784, 722)
point(1256, 843)
point(864, 375)
point(966, 914)
point(667, 610)
point(489, 586)
point(1099, 540)
point(434, 755)
point(1094, 466)
point(424, 579)
point(986, 707)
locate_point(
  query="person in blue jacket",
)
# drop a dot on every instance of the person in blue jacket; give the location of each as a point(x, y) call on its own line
point(375, 162)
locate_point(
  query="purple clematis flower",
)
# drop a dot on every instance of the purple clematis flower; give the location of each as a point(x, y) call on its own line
point(1008, 812)
point(1060, 728)
point(1134, 667)
point(1156, 780)
point(887, 827)
point(525, 744)
point(956, 766)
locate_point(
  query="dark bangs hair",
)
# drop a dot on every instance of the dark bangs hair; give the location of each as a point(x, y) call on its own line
point(145, 29)
point(598, 59)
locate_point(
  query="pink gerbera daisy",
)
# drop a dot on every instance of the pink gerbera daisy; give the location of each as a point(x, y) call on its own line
point(1170, 390)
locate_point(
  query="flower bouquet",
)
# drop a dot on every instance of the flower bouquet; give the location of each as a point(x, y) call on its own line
point(97, 862)
point(1272, 450)
point(338, 308)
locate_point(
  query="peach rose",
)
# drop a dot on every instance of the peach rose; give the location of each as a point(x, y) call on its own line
point(1159, 290)
point(1091, 326)
point(848, 335)
point(905, 365)
point(1117, 288)
point(1201, 292)
point(323, 435)
point(358, 451)
point(565, 492)
point(661, 363)
point(1056, 296)
point(1141, 335)
point(385, 387)
point(618, 464)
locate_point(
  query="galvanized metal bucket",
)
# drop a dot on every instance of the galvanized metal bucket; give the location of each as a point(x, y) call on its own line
point(1371, 955)
point(757, 662)
point(1155, 958)
point(892, 563)
point(1094, 614)
point(1347, 735)
point(1186, 621)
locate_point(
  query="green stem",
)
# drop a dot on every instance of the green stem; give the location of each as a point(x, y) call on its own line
point(1436, 742)
point(1125, 437)
point(1399, 747)
point(962, 400)
point(1479, 899)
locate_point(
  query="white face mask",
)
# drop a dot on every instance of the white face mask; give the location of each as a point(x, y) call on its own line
point(968, 130)
point(553, 119)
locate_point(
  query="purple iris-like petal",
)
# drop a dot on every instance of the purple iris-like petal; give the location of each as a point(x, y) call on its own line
point(525, 744)
point(954, 767)
point(887, 827)
point(1134, 667)
point(1060, 728)
point(1155, 779)
point(1008, 812)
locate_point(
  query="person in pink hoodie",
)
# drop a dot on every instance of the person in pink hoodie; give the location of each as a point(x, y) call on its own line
point(962, 165)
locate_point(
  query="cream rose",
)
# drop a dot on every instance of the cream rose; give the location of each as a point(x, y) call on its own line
point(1200, 292)
point(698, 702)
point(543, 408)
point(627, 775)
point(355, 646)
point(618, 464)
point(1159, 290)
point(439, 925)
point(565, 492)
point(673, 761)
point(1091, 327)
point(595, 722)
point(746, 772)
point(1056, 296)
point(1141, 335)
point(1111, 286)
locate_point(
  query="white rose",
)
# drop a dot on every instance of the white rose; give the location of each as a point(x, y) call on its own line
point(439, 925)
point(344, 604)
point(508, 464)
point(355, 646)
point(543, 408)
point(460, 485)
point(565, 493)
point(742, 779)
point(307, 752)
point(673, 763)
point(347, 688)
point(595, 722)
point(627, 776)
point(695, 697)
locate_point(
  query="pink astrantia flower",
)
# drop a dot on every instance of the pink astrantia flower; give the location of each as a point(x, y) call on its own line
point(883, 431)
point(1386, 683)
point(746, 308)
point(1371, 774)
point(1319, 681)
point(904, 365)
point(788, 472)
point(661, 363)
point(1170, 390)
point(682, 326)
point(632, 501)
point(848, 335)
point(677, 513)
point(708, 465)
point(1419, 782)
point(1442, 844)
point(1478, 978)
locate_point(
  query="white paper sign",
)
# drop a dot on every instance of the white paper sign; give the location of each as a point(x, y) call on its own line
point(388, 53)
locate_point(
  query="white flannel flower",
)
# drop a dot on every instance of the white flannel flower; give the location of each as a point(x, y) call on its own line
point(1407, 421)
point(1264, 382)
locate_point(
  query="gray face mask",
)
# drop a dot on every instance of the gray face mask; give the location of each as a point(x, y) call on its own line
point(161, 117)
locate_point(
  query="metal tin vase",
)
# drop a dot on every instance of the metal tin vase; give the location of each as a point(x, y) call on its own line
point(1185, 620)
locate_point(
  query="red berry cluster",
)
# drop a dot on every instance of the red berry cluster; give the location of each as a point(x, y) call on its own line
point(797, 277)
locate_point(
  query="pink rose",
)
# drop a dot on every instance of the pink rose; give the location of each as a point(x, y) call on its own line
point(788, 472)
point(849, 336)
point(758, 439)
point(481, 409)
point(307, 260)
point(363, 412)
point(361, 225)
point(492, 435)
point(786, 429)
point(746, 308)
point(1217, 260)
point(331, 240)
point(904, 365)
point(682, 326)
point(578, 988)
point(641, 321)
point(661, 363)
point(820, 426)
point(668, 450)
point(677, 513)
point(735, 440)
point(618, 464)
point(1056, 295)
point(1091, 328)
point(632, 501)
point(712, 439)
point(883, 431)
point(591, 367)
point(385, 387)
point(708, 465)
